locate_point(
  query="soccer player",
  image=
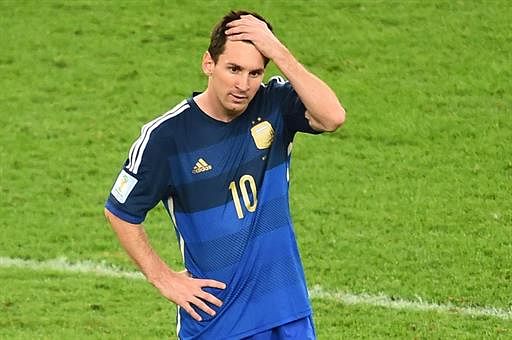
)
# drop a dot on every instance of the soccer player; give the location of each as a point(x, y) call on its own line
point(219, 162)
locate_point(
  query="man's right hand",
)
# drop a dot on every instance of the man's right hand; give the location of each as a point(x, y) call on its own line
point(185, 291)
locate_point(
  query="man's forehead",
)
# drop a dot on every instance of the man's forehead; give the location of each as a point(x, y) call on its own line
point(243, 54)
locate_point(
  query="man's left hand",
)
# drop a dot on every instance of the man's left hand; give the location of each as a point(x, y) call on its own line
point(256, 31)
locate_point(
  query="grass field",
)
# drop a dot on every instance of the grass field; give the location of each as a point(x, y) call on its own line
point(409, 201)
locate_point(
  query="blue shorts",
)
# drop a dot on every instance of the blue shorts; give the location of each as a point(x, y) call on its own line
point(301, 329)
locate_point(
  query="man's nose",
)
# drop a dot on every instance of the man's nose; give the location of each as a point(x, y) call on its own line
point(243, 82)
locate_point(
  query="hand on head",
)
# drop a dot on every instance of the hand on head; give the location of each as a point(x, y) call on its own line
point(252, 29)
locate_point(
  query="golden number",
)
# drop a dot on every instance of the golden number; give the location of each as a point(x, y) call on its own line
point(250, 206)
point(245, 195)
point(236, 200)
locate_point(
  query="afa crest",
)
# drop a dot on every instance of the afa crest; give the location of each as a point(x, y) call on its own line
point(263, 134)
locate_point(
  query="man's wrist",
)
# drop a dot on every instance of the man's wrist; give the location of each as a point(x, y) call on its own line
point(287, 64)
point(281, 56)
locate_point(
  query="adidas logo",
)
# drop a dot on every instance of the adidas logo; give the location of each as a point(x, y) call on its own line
point(201, 166)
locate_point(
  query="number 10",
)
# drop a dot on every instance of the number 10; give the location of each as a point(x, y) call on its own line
point(250, 206)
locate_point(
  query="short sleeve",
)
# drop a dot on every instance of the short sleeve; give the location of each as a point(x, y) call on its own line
point(142, 182)
point(292, 108)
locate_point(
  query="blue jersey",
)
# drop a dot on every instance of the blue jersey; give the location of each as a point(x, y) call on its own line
point(225, 186)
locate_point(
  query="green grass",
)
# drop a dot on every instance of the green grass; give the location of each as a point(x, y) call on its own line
point(61, 306)
point(411, 198)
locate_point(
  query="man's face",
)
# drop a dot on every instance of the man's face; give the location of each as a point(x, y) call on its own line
point(236, 77)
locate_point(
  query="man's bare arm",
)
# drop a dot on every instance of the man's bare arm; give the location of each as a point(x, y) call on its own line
point(178, 287)
point(324, 110)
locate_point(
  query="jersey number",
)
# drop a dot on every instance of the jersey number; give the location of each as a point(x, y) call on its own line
point(246, 183)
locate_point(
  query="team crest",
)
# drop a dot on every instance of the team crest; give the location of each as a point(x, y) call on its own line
point(263, 134)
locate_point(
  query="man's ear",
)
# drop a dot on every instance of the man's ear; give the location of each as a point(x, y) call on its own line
point(207, 64)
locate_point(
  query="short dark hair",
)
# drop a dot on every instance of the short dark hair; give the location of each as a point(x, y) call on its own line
point(218, 37)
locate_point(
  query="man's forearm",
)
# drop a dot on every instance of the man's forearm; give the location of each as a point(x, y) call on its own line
point(135, 242)
point(324, 110)
point(178, 287)
point(322, 104)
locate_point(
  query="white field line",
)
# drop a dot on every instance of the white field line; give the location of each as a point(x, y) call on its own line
point(419, 304)
point(316, 292)
point(63, 265)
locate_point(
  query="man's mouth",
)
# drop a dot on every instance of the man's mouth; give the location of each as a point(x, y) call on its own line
point(238, 97)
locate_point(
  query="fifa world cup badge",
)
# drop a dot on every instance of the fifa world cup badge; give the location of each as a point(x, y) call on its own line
point(123, 186)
